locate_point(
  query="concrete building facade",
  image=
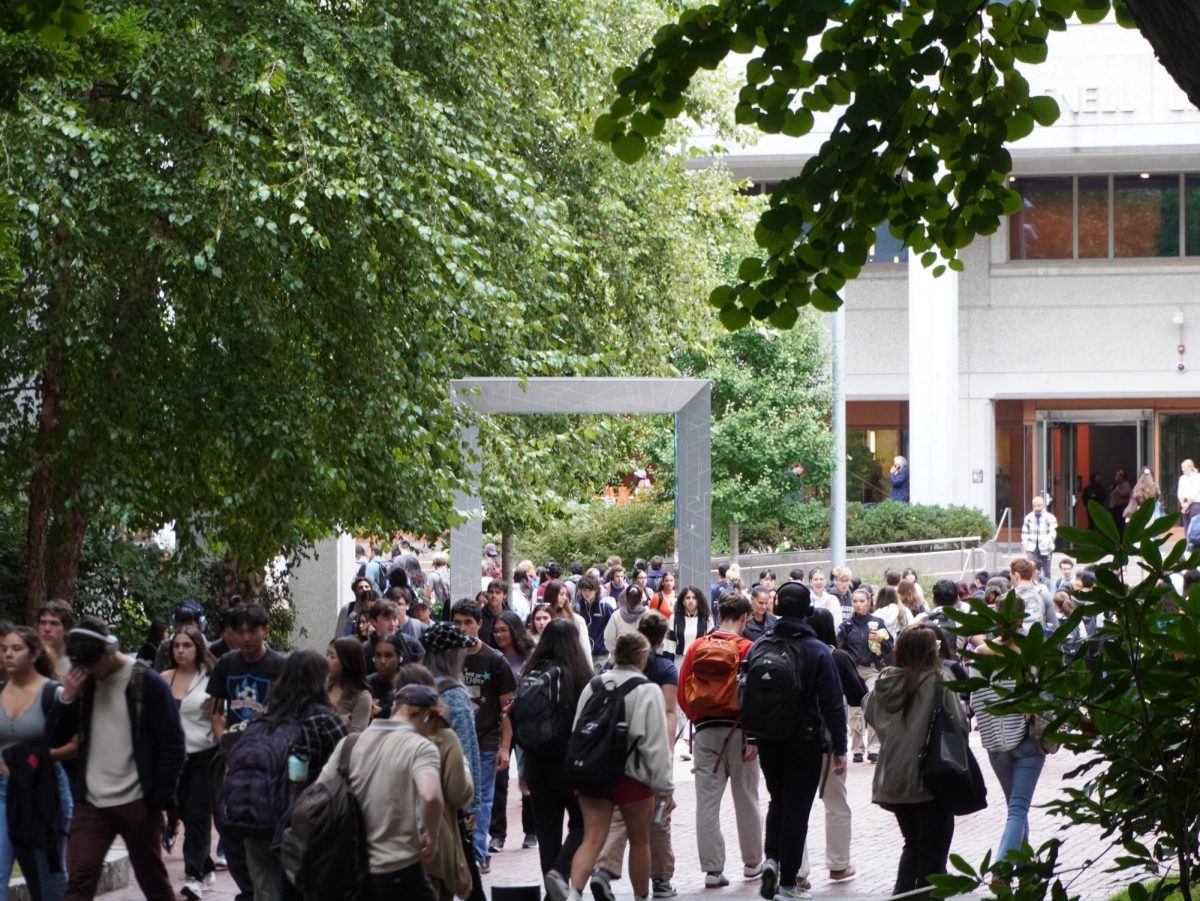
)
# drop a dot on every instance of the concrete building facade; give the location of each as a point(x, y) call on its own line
point(1071, 342)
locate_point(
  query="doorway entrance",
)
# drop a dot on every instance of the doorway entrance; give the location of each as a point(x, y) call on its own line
point(1072, 444)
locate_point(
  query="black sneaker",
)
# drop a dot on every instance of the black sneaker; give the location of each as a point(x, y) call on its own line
point(601, 885)
point(496, 845)
point(530, 842)
point(858, 757)
point(873, 757)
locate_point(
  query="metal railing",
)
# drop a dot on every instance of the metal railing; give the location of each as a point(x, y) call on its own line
point(1006, 516)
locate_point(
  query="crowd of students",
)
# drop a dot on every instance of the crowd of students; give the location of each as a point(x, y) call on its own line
point(454, 705)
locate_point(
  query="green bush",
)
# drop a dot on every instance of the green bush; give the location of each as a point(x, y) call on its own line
point(644, 528)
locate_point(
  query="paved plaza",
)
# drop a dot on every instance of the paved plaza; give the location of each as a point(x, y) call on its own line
point(875, 848)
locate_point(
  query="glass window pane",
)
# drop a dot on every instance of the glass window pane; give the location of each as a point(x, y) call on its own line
point(1146, 216)
point(1191, 213)
point(1043, 228)
point(887, 249)
point(1093, 217)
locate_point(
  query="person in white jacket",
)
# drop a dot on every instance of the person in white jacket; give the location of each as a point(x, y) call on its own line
point(647, 780)
point(1188, 492)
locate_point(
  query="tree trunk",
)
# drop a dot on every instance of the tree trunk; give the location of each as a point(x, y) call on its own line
point(734, 541)
point(1173, 29)
point(507, 563)
point(41, 489)
point(67, 550)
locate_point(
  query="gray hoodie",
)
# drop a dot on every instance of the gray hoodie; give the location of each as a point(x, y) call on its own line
point(901, 738)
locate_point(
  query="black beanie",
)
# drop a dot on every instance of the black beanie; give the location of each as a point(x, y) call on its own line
point(793, 599)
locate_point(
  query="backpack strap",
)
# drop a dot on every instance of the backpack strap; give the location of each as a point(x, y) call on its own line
point(49, 693)
point(137, 685)
point(344, 758)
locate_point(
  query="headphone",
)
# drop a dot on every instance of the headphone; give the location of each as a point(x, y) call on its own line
point(197, 611)
point(111, 643)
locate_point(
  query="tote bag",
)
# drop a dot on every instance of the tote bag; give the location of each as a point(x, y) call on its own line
point(948, 769)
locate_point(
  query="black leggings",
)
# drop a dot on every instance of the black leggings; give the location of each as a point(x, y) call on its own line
point(499, 825)
point(928, 829)
point(195, 811)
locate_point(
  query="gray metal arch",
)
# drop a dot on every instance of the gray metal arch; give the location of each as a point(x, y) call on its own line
point(689, 400)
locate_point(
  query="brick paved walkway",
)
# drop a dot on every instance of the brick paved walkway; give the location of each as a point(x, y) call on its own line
point(875, 848)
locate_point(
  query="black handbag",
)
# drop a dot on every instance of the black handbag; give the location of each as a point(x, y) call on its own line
point(948, 769)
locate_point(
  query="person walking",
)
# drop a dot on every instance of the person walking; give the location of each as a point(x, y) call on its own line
point(723, 752)
point(394, 773)
point(1039, 531)
point(542, 714)
point(190, 663)
point(866, 639)
point(900, 708)
point(792, 706)
point(131, 752)
point(646, 779)
point(349, 691)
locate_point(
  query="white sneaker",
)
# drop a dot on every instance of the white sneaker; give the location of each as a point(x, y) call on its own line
point(792, 893)
point(556, 887)
point(210, 878)
point(752, 871)
point(193, 889)
point(715, 880)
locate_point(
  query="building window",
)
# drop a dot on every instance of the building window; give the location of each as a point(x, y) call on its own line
point(888, 248)
point(1097, 217)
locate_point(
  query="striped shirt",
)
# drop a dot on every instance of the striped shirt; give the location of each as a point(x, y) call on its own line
point(997, 732)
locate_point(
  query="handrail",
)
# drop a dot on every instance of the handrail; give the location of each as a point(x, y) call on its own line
point(1007, 514)
point(960, 540)
point(957, 539)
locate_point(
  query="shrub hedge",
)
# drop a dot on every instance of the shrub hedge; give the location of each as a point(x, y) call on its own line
point(643, 528)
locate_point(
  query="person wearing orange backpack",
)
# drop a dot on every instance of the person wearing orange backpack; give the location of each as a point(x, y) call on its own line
point(708, 695)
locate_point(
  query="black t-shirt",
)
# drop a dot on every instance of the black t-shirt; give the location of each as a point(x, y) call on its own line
point(661, 670)
point(244, 686)
point(487, 676)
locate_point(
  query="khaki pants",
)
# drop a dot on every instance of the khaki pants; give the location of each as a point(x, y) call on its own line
point(837, 822)
point(862, 736)
point(742, 777)
point(662, 856)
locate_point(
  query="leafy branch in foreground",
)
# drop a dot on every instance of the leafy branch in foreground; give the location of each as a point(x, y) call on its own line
point(927, 94)
point(1124, 703)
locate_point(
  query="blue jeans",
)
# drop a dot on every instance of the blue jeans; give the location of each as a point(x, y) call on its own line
point(54, 885)
point(1018, 771)
point(485, 791)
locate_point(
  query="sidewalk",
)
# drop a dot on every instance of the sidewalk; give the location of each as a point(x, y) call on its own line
point(875, 849)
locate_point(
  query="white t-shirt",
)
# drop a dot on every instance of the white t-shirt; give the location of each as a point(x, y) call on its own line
point(112, 777)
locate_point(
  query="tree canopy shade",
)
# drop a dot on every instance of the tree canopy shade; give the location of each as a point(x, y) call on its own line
point(251, 254)
point(928, 94)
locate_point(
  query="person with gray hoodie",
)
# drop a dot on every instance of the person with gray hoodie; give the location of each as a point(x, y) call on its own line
point(899, 708)
point(624, 621)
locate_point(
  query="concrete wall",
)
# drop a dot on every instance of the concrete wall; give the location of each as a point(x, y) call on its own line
point(320, 587)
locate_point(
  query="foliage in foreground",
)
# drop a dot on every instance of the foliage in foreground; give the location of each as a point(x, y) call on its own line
point(927, 95)
point(1127, 708)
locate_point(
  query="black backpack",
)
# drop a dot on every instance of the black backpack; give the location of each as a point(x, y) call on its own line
point(327, 833)
point(542, 711)
point(254, 797)
point(599, 743)
point(776, 705)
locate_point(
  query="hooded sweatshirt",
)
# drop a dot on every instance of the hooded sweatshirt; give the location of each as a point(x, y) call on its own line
point(897, 773)
point(622, 622)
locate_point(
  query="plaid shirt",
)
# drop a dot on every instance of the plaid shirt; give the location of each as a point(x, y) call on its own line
point(1038, 533)
point(320, 733)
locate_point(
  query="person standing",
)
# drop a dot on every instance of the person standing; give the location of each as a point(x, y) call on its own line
point(723, 752)
point(54, 620)
point(900, 708)
point(596, 611)
point(1038, 533)
point(1188, 491)
point(792, 706)
point(131, 752)
point(1118, 498)
point(898, 476)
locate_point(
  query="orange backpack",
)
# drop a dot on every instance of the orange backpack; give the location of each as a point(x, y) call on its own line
point(710, 690)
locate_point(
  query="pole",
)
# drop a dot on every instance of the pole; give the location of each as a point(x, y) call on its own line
point(837, 494)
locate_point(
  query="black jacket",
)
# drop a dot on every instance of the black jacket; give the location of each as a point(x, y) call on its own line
point(821, 674)
point(754, 629)
point(852, 638)
point(156, 734)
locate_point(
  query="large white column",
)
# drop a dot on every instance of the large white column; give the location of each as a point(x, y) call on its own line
point(979, 454)
point(320, 587)
point(933, 385)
